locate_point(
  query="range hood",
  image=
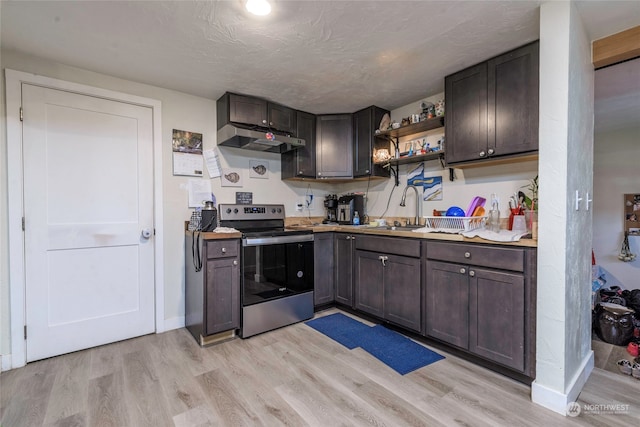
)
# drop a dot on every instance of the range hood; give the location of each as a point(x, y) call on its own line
point(231, 135)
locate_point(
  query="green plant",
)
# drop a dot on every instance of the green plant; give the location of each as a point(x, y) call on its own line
point(532, 202)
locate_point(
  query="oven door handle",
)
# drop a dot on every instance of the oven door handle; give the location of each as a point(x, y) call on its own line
point(276, 240)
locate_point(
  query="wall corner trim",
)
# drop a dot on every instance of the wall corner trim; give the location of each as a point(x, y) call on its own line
point(558, 401)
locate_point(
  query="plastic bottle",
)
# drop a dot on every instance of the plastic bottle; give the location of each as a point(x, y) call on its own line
point(356, 218)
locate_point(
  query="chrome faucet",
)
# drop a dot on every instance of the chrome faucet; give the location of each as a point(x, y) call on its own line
point(404, 197)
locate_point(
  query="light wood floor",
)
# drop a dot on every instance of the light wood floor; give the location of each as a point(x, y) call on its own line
point(294, 376)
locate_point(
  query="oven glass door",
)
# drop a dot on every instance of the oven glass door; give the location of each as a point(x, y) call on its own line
point(276, 270)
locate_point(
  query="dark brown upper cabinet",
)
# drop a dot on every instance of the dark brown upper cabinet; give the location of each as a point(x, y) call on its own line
point(301, 163)
point(491, 108)
point(365, 123)
point(252, 111)
point(334, 146)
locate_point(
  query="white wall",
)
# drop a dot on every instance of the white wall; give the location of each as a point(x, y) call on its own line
point(564, 359)
point(615, 172)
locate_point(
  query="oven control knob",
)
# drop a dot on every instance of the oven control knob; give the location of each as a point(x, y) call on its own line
point(273, 210)
point(279, 210)
point(228, 210)
point(235, 211)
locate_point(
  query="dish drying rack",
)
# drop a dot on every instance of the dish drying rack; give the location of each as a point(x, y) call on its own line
point(455, 224)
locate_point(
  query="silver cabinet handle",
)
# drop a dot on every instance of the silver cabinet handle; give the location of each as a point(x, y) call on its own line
point(482, 154)
point(490, 151)
point(348, 237)
point(384, 259)
point(353, 237)
point(264, 121)
point(224, 250)
point(463, 270)
point(472, 273)
point(270, 123)
point(235, 262)
point(467, 255)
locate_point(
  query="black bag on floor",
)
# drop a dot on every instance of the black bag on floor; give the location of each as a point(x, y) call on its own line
point(613, 323)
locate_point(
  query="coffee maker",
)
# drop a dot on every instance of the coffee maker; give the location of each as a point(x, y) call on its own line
point(348, 205)
point(331, 205)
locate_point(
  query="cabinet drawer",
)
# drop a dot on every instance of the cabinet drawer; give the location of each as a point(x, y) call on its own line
point(222, 248)
point(389, 245)
point(485, 256)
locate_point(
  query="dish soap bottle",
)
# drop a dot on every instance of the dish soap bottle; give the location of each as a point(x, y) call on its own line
point(494, 215)
point(356, 218)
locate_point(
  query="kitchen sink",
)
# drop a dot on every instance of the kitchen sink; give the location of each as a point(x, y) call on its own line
point(404, 227)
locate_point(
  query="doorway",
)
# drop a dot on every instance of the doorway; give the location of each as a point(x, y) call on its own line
point(88, 267)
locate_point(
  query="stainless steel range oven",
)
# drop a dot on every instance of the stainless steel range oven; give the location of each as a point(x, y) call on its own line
point(276, 266)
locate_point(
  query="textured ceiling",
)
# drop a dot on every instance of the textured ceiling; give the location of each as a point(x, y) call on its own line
point(318, 56)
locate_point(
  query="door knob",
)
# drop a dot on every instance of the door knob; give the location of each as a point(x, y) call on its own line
point(146, 233)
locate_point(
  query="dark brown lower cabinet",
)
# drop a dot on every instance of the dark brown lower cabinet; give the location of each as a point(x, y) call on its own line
point(388, 285)
point(212, 294)
point(496, 316)
point(482, 299)
point(323, 269)
point(447, 308)
point(344, 252)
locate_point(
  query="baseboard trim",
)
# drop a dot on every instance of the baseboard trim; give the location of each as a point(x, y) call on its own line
point(173, 323)
point(5, 362)
point(557, 401)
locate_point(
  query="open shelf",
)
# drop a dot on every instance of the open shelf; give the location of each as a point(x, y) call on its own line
point(423, 126)
point(417, 158)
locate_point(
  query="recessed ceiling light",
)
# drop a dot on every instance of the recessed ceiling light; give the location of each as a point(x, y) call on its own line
point(258, 7)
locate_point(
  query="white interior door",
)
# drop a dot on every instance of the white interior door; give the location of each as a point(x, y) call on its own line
point(88, 204)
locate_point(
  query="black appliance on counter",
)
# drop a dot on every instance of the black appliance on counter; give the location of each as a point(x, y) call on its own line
point(348, 205)
point(331, 206)
point(276, 267)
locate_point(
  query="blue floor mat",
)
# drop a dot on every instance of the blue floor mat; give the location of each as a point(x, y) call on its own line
point(393, 349)
point(340, 328)
point(397, 351)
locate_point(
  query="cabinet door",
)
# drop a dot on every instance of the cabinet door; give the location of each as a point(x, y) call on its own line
point(323, 268)
point(248, 110)
point(497, 316)
point(447, 305)
point(344, 269)
point(301, 162)
point(365, 122)
point(282, 118)
point(222, 298)
point(466, 114)
point(402, 294)
point(334, 143)
point(369, 283)
point(513, 101)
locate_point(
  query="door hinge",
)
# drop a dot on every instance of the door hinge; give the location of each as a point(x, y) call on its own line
point(22, 223)
point(154, 231)
point(21, 114)
point(25, 332)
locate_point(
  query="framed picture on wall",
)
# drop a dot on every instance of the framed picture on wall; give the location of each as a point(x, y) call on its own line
point(231, 178)
point(259, 169)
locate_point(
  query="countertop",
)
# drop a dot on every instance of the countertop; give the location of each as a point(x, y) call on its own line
point(383, 231)
point(207, 235)
point(378, 231)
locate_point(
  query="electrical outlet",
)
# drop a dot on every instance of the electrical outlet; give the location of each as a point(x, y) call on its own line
point(299, 207)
